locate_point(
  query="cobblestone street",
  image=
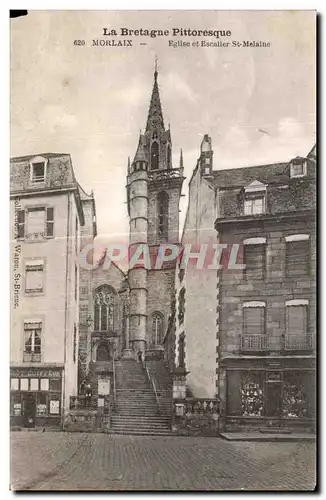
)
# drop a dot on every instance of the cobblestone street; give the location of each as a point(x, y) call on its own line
point(62, 461)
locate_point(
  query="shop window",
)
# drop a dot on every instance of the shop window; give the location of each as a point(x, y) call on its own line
point(44, 384)
point(15, 405)
point(34, 383)
point(252, 396)
point(14, 384)
point(34, 276)
point(24, 384)
point(41, 406)
point(55, 384)
point(296, 395)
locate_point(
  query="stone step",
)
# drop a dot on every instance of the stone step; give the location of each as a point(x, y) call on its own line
point(165, 432)
point(139, 428)
point(143, 419)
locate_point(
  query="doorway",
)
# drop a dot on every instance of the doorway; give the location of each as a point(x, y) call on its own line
point(29, 410)
point(103, 353)
point(273, 401)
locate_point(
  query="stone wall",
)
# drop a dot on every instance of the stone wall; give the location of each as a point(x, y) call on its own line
point(195, 417)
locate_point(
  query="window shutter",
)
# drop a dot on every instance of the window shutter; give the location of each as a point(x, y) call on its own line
point(49, 222)
point(21, 223)
point(254, 261)
point(254, 320)
point(297, 257)
point(297, 321)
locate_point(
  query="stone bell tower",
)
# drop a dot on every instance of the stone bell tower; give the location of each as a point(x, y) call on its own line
point(153, 194)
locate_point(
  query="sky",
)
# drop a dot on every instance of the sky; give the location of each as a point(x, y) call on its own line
point(257, 104)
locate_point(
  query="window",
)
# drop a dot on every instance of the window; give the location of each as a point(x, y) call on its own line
point(104, 308)
point(254, 318)
point(254, 205)
point(163, 214)
point(34, 276)
point(14, 384)
point(24, 384)
point(157, 329)
point(297, 325)
point(39, 222)
point(44, 384)
point(34, 384)
point(38, 172)
point(55, 384)
point(32, 342)
point(298, 168)
point(255, 257)
point(154, 156)
point(168, 154)
point(297, 256)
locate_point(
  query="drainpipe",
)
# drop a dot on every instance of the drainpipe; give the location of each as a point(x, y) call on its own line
point(66, 314)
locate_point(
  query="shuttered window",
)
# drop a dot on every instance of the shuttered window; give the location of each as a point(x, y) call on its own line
point(297, 257)
point(255, 261)
point(21, 224)
point(296, 325)
point(254, 320)
point(49, 222)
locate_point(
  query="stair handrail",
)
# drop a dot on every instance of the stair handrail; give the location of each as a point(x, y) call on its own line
point(114, 386)
point(152, 384)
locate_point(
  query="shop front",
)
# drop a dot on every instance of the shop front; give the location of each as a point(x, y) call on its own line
point(35, 397)
point(277, 396)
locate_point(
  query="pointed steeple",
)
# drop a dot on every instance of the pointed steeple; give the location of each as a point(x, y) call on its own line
point(181, 159)
point(155, 115)
point(140, 153)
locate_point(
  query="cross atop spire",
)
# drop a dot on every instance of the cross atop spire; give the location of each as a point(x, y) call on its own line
point(155, 116)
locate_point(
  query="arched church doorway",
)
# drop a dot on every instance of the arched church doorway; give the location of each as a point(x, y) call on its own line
point(103, 353)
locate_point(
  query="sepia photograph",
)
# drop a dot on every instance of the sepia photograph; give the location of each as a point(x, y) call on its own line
point(163, 250)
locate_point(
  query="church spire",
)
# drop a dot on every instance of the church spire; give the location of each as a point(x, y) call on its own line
point(181, 159)
point(155, 114)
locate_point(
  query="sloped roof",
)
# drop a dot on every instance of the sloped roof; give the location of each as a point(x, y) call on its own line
point(241, 177)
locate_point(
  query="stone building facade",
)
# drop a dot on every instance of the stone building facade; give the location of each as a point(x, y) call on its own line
point(247, 337)
point(267, 311)
point(46, 220)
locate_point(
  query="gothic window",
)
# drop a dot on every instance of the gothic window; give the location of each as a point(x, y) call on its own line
point(104, 308)
point(168, 156)
point(154, 135)
point(163, 214)
point(157, 328)
point(154, 156)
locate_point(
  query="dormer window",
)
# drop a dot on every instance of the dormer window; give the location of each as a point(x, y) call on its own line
point(298, 168)
point(38, 170)
point(255, 199)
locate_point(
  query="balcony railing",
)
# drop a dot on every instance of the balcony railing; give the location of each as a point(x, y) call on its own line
point(165, 174)
point(297, 343)
point(254, 342)
point(32, 357)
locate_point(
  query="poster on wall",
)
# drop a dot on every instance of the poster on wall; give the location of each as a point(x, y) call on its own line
point(55, 407)
point(104, 386)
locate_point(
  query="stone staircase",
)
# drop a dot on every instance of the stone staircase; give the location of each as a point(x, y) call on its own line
point(136, 410)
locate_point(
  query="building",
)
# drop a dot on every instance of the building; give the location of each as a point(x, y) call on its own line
point(153, 196)
point(46, 220)
point(267, 311)
point(247, 336)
